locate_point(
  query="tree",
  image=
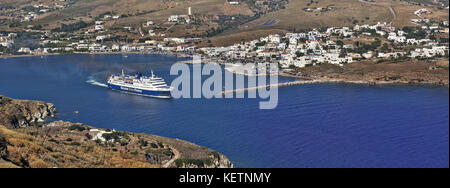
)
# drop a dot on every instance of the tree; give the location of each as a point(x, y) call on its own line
point(385, 48)
point(303, 40)
point(299, 54)
point(107, 137)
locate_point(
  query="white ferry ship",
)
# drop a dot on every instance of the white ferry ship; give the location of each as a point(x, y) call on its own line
point(141, 85)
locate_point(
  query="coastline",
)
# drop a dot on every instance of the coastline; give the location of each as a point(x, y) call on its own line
point(223, 62)
point(328, 81)
point(365, 82)
point(97, 53)
point(312, 80)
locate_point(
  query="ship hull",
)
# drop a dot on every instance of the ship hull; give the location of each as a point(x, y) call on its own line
point(136, 91)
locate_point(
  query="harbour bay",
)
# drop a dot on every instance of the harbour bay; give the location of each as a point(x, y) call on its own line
point(318, 125)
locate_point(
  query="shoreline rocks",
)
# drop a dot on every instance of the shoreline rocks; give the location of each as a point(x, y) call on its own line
point(24, 113)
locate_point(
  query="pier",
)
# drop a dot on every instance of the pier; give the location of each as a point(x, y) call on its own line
point(285, 84)
point(293, 83)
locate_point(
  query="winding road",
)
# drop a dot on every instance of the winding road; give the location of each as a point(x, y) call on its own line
point(394, 14)
point(177, 156)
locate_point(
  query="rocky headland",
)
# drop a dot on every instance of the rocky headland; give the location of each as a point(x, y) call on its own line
point(24, 113)
point(29, 140)
point(433, 73)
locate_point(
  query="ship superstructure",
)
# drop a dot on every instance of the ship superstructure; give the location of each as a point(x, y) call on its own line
point(152, 86)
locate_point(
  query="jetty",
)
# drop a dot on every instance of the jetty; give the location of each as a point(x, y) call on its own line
point(285, 84)
point(293, 83)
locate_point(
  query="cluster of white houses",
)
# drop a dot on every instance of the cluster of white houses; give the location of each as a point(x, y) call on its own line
point(303, 49)
point(95, 47)
point(7, 41)
point(29, 16)
point(293, 49)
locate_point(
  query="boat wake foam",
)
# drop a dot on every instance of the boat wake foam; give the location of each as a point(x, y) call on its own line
point(96, 83)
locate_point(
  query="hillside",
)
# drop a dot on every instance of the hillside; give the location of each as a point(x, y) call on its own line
point(74, 145)
point(332, 14)
point(217, 20)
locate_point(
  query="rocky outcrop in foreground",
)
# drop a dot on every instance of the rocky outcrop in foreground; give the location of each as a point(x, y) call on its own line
point(24, 113)
point(63, 144)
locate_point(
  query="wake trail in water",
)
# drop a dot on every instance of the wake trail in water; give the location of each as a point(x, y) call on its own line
point(94, 82)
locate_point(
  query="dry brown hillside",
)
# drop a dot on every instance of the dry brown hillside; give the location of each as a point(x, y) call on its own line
point(74, 145)
point(217, 20)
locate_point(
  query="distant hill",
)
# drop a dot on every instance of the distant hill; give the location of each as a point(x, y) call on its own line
point(430, 2)
point(213, 19)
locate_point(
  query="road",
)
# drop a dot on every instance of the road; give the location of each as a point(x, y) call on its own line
point(394, 14)
point(177, 156)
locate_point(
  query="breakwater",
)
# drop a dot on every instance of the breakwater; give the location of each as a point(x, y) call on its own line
point(293, 83)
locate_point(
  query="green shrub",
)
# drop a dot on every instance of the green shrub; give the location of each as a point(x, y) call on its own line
point(116, 136)
point(143, 143)
point(75, 144)
point(134, 153)
point(77, 127)
point(153, 145)
point(5, 100)
point(73, 27)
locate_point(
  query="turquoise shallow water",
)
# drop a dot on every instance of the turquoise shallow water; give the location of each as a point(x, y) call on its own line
point(329, 125)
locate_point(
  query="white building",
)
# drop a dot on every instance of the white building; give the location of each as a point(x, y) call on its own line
point(102, 37)
point(115, 47)
point(6, 44)
point(99, 27)
point(149, 23)
point(174, 18)
point(176, 40)
point(275, 38)
point(24, 50)
point(368, 55)
point(97, 134)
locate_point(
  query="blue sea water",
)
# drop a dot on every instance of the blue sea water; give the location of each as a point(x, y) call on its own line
point(327, 125)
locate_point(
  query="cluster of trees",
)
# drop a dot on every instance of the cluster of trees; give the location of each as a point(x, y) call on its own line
point(415, 32)
point(30, 9)
point(6, 50)
point(116, 136)
point(4, 100)
point(77, 127)
point(311, 2)
point(360, 47)
point(73, 27)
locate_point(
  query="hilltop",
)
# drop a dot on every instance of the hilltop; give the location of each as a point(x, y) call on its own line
point(33, 144)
